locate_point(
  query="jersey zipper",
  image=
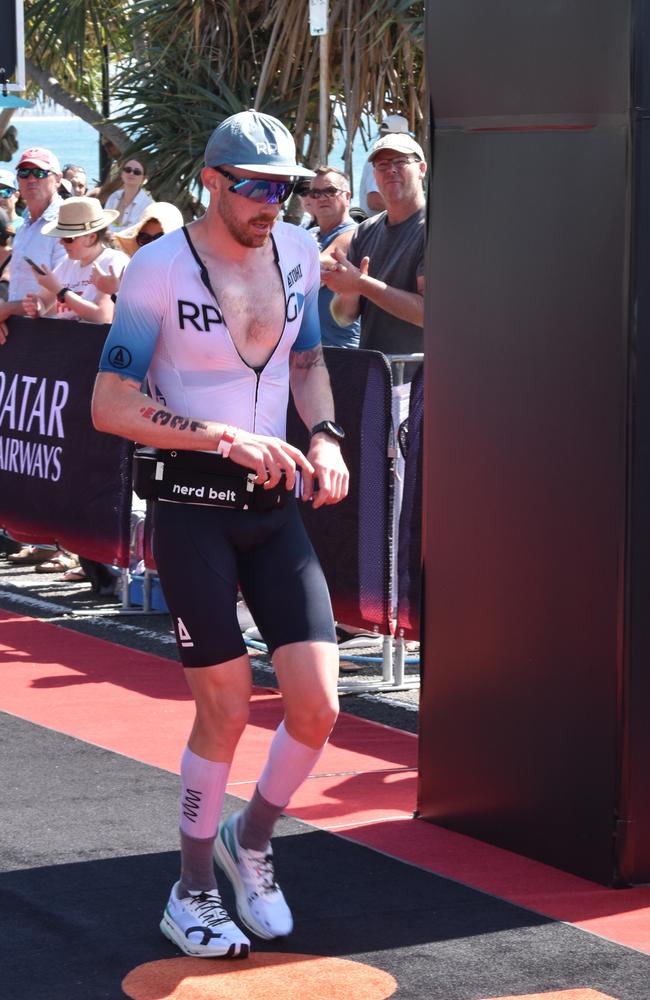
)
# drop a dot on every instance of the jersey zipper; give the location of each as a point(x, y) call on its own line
point(205, 278)
point(258, 375)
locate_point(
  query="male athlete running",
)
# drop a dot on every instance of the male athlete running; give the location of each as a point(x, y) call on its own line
point(221, 319)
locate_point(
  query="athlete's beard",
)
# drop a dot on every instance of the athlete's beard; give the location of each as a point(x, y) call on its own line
point(239, 231)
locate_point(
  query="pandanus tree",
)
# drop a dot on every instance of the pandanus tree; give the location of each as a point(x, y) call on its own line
point(176, 68)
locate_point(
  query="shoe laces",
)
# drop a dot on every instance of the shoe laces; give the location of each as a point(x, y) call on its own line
point(209, 909)
point(261, 868)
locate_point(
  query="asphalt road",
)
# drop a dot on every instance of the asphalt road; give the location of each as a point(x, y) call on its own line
point(72, 605)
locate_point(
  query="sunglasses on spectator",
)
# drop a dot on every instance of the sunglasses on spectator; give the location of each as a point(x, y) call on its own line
point(143, 238)
point(133, 170)
point(38, 172)
point(259, 190)
point(398, 163)
point(327, 192)
point(6, 192)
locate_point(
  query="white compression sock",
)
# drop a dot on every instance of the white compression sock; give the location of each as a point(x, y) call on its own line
point(287, 766)
point(203, 786)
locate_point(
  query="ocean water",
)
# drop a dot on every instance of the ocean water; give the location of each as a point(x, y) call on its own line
point(74, 141)
point(70, 138)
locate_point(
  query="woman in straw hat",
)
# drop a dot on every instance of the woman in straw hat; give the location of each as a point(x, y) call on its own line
point(68, 293)
point(158, 218)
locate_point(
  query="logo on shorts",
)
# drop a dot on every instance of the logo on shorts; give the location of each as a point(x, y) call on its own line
point(119, 357)
point(184, 636)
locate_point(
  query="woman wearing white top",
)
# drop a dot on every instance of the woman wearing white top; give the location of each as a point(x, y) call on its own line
point(130, 200)
point(67, 291)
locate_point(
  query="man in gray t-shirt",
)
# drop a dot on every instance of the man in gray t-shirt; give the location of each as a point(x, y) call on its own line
point(382, 277)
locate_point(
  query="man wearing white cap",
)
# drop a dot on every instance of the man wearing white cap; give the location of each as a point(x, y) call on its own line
point(39, 176)
point(221, 318)
point(382, 277)
point(370, 197)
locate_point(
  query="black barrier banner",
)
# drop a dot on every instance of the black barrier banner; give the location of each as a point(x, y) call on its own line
point(353, 539)
point(409, 544)
point(60, 480)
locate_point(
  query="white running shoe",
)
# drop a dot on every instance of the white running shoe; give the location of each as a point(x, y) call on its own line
point(200, 926)
point(260, 903)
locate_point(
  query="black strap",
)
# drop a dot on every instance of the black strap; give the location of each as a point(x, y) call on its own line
point(201, 478)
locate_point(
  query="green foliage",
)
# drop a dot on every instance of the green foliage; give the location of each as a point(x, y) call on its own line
point(181, 66)
point(67, 39)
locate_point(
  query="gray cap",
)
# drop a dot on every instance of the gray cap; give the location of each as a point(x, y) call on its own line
point(254, 142)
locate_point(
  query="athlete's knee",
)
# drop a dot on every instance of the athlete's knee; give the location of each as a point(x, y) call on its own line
point(227, 714)
point(312, 724)
point(221, 708)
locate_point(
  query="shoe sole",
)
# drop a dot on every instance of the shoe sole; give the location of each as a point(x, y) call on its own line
point(225, 860)
point(176, 936)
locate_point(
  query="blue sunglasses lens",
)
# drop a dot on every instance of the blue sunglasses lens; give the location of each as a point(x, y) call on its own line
point(264, 192)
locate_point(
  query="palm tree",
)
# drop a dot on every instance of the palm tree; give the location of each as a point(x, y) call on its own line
point(197, 63)
point(67, 51)
point(182, 66)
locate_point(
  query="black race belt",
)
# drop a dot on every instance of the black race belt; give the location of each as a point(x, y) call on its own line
point(200, 477)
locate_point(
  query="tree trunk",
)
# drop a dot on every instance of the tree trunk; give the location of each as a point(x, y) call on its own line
point(53, 89)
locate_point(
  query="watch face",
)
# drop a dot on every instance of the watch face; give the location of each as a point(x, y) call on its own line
point(329, 427)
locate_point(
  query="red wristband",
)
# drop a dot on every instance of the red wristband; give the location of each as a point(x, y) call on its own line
point(226, 441)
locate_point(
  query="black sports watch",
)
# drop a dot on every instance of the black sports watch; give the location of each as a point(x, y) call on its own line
point(62, 293)
point(329, 427)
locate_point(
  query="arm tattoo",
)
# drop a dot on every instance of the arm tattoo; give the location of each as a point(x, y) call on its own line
point(308, 359)
point(164, 417)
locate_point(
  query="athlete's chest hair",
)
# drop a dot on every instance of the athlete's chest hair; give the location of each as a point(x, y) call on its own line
point(251, 298)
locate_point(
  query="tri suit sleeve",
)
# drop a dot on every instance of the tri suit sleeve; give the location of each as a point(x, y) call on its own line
point(309, 335)
point(139, 312)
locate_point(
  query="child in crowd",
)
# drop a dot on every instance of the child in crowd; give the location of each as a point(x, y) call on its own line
point(67, 291)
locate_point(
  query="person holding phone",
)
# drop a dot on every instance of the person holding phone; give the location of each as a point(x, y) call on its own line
point(130, 200)
point(39, 175)
point(67, 292)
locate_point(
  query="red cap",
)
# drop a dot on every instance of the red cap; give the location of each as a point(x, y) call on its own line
point(39, 157)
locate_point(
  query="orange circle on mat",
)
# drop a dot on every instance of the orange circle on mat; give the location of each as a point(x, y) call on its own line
point(260, 976)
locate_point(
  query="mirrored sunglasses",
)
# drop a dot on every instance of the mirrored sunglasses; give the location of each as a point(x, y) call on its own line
point(143, 238)
point(6, 192)
point(38, 172)
point(132, 170)
point(257, 189)
point(327, 192)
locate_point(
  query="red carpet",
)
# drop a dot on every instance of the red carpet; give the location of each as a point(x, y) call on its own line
point(138, 705)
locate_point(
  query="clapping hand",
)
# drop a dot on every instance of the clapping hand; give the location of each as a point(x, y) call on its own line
point(343, 277)
point(105, 281)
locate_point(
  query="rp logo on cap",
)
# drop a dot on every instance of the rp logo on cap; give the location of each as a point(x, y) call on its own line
point(258, 143)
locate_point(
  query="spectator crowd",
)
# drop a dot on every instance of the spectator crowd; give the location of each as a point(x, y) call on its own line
point(63, 253)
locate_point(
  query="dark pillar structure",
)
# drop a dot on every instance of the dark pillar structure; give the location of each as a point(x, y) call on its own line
point(535, 711)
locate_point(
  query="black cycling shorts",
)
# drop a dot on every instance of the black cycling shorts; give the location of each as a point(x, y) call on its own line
point(204, 554)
